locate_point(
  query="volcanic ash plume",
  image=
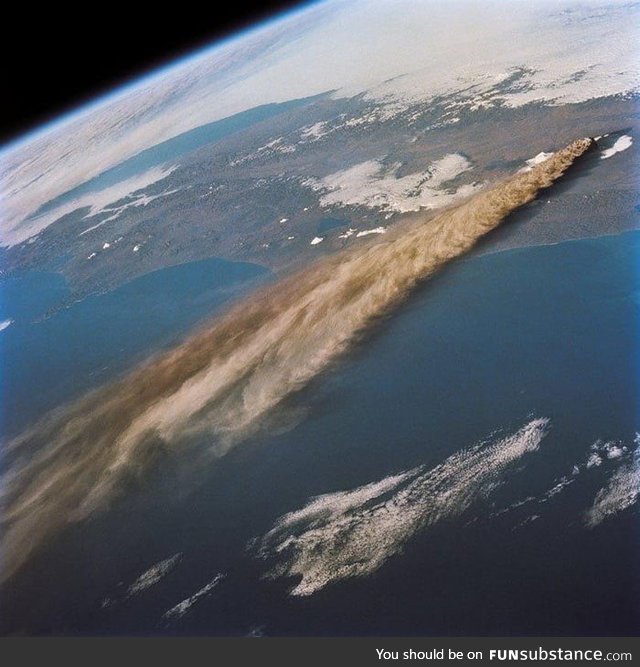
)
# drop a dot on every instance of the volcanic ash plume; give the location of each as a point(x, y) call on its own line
point(226, 378)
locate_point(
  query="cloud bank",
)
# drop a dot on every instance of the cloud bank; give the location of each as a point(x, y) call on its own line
point(353, 533)
point(398, 52)
point(621, 492)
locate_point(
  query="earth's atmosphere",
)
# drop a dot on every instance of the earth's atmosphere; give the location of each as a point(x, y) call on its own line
point(295, 339)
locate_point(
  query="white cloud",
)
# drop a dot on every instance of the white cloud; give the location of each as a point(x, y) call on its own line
point(353, 533)
point(557, 488)
point(154, 574)
point(621, 492)
point(367, 232)
point(370, 184)
point(183, 607)
point(532, 162)
point(594, 460)
point(621, 144)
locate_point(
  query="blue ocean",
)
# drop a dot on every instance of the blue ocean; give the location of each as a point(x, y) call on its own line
point(489, 344)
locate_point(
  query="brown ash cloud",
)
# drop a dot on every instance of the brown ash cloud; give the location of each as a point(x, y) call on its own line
point(225, 379)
